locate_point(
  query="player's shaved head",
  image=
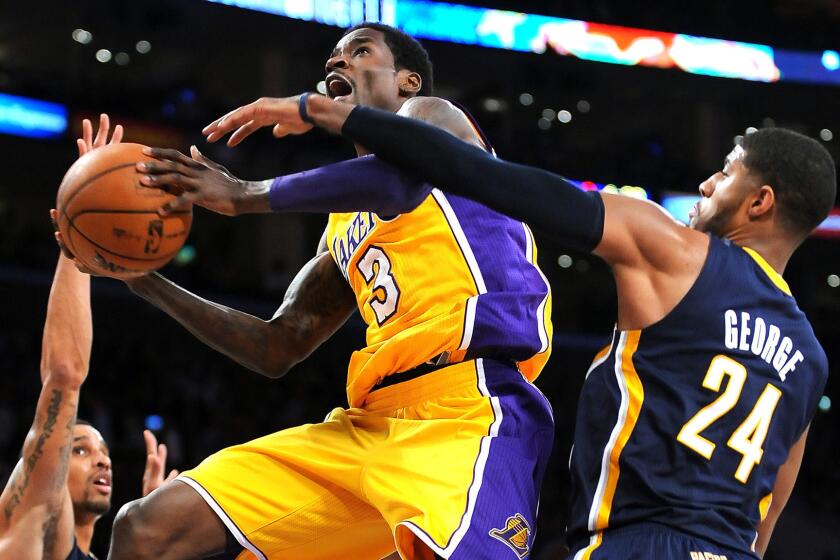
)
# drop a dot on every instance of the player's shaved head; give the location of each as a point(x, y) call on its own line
point(800, 171)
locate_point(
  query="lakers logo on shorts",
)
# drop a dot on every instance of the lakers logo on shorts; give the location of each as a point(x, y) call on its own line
point(515, 534)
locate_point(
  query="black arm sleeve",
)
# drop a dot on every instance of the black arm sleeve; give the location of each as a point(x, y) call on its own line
point(546, 201)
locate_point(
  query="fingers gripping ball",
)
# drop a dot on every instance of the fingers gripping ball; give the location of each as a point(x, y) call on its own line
point(109, 221)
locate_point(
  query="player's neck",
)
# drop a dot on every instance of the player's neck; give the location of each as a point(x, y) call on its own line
point(83, 529)
point(776, 249)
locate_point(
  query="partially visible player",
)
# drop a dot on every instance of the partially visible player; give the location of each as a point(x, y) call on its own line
point(37, 516)
point(692, 426)
point(63, 467)
point(62, 484)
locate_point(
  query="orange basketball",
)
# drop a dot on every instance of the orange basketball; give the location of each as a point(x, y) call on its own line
point(109, 221)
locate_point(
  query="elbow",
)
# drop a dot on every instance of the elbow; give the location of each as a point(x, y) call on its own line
point(69, 374)
point(277, 365)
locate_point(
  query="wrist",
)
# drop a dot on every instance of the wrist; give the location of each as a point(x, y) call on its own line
point(253, 198)
point(326, 113)
point(139, 284)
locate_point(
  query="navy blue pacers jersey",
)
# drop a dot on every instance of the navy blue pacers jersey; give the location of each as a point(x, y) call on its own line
point(686, 423)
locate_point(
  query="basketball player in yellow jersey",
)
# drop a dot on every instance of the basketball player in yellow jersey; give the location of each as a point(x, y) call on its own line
point(443, 448)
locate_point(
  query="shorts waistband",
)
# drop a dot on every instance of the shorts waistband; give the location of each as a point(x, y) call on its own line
point(422, 385)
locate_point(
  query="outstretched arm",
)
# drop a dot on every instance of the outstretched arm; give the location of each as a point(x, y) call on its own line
point(653, 257)
point(316, 304)
point(36, 494)
point(365, 184)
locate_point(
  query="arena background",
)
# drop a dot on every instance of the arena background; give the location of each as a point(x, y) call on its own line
point(661, 130)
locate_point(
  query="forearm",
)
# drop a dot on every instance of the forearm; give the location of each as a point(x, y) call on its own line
point(364, 184)
point(40, 477)
point(240, 336)
point(68, 328)
point(545, 200)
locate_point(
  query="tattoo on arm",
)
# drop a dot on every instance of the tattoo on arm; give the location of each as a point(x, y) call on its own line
point(21, 484)
point(316, 304)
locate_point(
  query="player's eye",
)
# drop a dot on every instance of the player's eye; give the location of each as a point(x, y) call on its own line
point(81, 451)
point(361, 50)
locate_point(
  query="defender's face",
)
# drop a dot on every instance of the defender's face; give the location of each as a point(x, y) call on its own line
point(361, 71)
point(89, 474)
point(723, 196)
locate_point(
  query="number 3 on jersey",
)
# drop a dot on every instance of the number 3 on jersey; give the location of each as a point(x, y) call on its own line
point(749, 437)
point(375, 267)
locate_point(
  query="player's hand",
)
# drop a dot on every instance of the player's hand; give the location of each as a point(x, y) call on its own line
point(155, 464)
point(193, 180)
point(87, 142)
point(281, 112)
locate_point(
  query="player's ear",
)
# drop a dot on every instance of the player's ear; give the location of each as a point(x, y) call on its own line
point(409, 82)
point(763, 201)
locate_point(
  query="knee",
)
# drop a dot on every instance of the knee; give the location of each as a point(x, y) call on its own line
point(135, 534)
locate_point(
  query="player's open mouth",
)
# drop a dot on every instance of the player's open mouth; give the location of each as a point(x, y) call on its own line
point(338, 86)
point(694, 210)
point(103, 483)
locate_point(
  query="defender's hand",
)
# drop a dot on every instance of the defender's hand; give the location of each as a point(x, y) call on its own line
point(283, 113)
point(155, 464)
point(194, 180)
point(87, 142)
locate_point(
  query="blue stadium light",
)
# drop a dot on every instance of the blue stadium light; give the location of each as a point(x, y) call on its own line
point(679, 205)
point(831, 60)
point(611, 44)
point(22, 116)
point(154, 422)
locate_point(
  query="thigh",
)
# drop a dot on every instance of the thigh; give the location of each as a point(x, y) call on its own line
point(294, 494)
point(462, 472)
point(174, 519)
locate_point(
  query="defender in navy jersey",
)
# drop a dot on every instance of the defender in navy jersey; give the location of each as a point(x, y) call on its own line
point(692, 426)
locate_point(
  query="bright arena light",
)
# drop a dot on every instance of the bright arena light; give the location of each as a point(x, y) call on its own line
point(526, 99)
point(544, 123)
point(826, 135)
point(143, 46)
point(833, 280)
point(549, 114)
point(751, 129)
point(321, 87)
point(82, 36)
point(583, 106)
point(103, 55)
point(831, 60)
point(122, 58)
point(825, 403)
point(564, 116)
point(564, 261)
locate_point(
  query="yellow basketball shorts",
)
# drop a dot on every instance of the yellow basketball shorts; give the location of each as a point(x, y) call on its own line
point(453, 459)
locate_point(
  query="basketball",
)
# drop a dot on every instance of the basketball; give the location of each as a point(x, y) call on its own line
point(109, 221)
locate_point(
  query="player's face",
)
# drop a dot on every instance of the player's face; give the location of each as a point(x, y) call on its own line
point(89, 475)
point(361, 71)
point(723, 197)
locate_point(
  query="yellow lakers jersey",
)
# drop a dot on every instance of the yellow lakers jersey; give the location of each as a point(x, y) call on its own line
point(450, 278)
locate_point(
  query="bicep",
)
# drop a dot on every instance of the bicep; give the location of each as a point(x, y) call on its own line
point(638, 232)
